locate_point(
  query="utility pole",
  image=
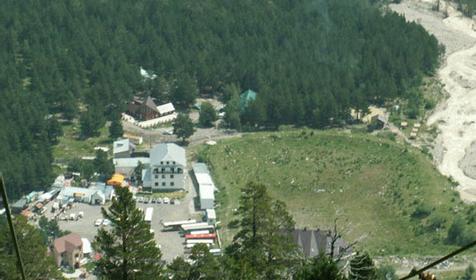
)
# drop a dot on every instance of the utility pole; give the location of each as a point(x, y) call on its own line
point(10, 224)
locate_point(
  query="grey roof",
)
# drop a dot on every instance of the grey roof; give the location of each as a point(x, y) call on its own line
point(168, 152)
point(149, 102)
point(200, 167)
point(122, 145)
point(130, 162)
point(314, 242)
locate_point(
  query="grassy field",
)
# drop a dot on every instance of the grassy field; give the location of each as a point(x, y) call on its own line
point(386, 195)
point(70, 146)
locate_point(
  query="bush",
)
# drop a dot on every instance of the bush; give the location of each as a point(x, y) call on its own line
point(458, 233)
point(422, 210)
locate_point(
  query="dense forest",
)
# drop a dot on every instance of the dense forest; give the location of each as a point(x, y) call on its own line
point(309, 61)
point(467, 7)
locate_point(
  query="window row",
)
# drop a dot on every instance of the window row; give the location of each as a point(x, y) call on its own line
point(163, 176)
point(164, 184)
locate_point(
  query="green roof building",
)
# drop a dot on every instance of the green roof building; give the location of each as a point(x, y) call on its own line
point(245, 98)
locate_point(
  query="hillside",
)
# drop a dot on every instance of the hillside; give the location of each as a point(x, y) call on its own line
point(309, 61)
point(384, 194)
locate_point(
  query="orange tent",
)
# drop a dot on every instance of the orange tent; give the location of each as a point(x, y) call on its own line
point(116, 180)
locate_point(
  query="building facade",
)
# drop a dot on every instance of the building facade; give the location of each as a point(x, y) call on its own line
point(68, 250)
point(167, 167)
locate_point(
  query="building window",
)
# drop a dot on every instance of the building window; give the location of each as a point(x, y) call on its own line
point(156, 170)
point(173, 162)
point(161, 162)
point(163, 184)
point(171, 175)
point(172, 184)
point(179, 170)
point(156, 184)
point(163, 169)
point(163, 176)
point(172, 169)
point(157, 176)
point(167, 163)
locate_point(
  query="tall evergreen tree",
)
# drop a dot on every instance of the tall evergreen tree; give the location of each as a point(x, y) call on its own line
point(207, 115)
point(115, 130)
point(263, 243)
point(183, 127)
point(322, 267)
point(128, 250)
point(232, 112)
point(55, 130)
point(37, 263)
point(103, 164)
point(362, 267)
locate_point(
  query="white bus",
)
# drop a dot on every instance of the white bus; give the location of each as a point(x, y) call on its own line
point(148, 214)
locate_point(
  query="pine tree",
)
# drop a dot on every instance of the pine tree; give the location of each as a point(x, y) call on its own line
point(183, 127)
point(207, 115)
point(55, 130)
point(128, 250)
point(321, 267)
point(115, 130)
point(232, 112)
point(103, 164)
point(362, 267)
point(263, 244)
point(37, 263)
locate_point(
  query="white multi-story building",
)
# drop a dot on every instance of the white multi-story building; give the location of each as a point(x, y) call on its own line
point(166, 170)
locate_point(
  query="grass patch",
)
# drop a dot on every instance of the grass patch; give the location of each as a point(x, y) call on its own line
point(386, 194)
point(70, 146)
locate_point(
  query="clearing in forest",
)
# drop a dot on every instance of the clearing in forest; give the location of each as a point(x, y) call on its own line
point(387, 195)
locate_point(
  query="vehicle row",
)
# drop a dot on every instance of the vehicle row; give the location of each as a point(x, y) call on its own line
point(158, 200)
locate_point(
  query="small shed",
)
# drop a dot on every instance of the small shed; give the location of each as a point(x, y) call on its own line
point(245, 98)
point(404, 124)
point(211, 216)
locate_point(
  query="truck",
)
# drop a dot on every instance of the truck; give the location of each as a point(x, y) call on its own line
point(201, 236)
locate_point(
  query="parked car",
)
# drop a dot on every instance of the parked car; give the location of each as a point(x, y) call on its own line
point(140, 199)
point(80, 214)
point(98, 222)
point(146, 200)
point(106, 222)
point(152, 200)
point(166, 200)
point(159, 200)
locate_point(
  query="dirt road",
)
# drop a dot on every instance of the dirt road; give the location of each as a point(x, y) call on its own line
point(456, 116)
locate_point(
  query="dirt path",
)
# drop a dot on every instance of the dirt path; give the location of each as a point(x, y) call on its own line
point(455, 117)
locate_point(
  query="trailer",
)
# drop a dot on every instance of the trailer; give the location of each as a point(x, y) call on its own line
point(200, 231)
point(148, 214)
point(215, 252)
point(197, 226)
point(178, 224)
point(199, 241)
point(190, 246)
point(201, 236)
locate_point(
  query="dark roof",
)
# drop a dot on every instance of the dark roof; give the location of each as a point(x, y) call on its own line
point(149, 102)
point(314, 242)
point(67, 243)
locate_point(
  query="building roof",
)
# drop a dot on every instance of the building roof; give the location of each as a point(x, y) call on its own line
point(314, 242)
point(200, 167)
point(19, 204)
point(72, 191)
point(129, 162)
point(122, 145)
point(168, 152)
point(68, 242)
point(211, 214)
point(246, 97)
point(166, 108)
point(204, 179)
point(149, 102)
point(206, 192)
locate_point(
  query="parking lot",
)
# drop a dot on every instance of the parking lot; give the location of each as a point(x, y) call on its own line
point(171, 242)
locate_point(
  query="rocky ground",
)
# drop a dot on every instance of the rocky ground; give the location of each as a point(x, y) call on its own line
point(455, 118)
